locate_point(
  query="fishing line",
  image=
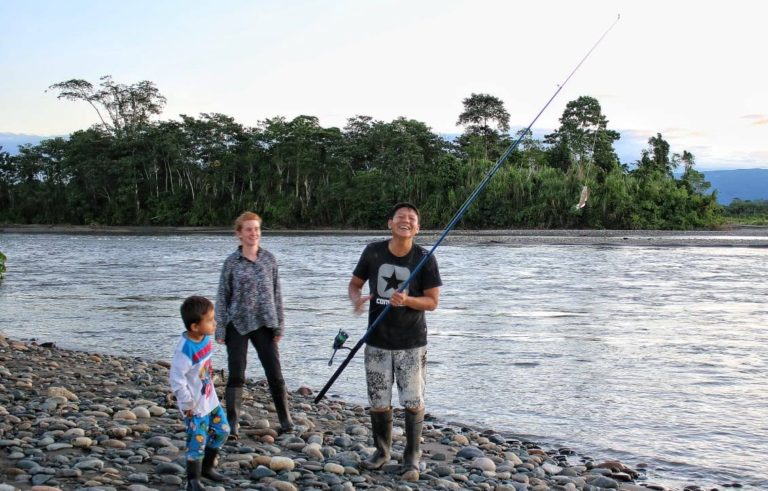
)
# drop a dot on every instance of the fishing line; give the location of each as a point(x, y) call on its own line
point(459, 214)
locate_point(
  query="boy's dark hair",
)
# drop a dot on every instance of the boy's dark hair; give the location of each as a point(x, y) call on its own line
point(193, 309)
point(402, 204)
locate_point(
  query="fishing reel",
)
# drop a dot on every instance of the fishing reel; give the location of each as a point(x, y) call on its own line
point(338, 343)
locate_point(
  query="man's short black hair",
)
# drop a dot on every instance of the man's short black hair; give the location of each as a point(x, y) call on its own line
point(402, 204)
point(193, 309)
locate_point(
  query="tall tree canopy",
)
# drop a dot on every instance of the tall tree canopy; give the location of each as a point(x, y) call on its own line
point(481, 111)
point(127, 107)
point(583, 138)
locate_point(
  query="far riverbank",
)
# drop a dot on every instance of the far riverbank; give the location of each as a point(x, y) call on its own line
point(741, 236)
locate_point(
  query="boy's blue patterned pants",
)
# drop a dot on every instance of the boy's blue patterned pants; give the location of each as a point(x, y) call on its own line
point(210, 430)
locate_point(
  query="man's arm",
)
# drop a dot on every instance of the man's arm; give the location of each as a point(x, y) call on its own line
point(355, 292)
point(428, 301)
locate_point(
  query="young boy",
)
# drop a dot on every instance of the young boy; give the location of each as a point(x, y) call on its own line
point(192, 384)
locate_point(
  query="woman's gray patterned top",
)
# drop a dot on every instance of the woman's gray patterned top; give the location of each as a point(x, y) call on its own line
point(249, 294)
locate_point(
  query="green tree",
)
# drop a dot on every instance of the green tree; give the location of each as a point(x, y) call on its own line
point(583, 139)
point(121, 108)
point(480, 112)
point(486, 123)
point(692, 179)
point(8, 183)
point(656, 158)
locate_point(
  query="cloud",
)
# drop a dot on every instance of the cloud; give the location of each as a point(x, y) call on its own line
point(756, 119)
point(683, 133)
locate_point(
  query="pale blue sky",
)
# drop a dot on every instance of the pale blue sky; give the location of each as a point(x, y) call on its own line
point(692, 71)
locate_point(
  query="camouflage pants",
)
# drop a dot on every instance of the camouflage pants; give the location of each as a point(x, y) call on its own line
point(406, 367)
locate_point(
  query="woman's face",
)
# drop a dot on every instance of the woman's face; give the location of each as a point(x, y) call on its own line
point(250, 233)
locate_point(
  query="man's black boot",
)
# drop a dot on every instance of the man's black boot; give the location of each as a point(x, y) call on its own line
point(412, 454)
point(381, 423)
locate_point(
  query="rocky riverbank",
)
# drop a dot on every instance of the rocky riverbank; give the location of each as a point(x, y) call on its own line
point(75, 420)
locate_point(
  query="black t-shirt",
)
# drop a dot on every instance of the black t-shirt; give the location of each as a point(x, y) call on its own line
point(402, 327)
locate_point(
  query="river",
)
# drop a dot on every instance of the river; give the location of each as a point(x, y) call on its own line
point(650, 355)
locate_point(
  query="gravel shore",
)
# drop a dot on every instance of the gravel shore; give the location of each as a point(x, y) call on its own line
point(87, 421)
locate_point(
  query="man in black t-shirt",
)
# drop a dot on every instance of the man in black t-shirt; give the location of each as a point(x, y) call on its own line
point(396, 350)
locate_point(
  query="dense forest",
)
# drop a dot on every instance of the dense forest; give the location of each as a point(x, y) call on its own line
point(131, 168)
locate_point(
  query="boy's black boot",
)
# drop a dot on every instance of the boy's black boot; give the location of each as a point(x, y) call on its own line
point(280, 398)
point(414, 422)
point(194, 468)
point(381, 423)
point(233, 398)
point(209, 462)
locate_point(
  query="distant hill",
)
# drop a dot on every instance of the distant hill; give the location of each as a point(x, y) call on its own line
point(745, 184)
point(11, 141)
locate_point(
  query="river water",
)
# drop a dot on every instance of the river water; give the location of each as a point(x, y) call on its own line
point(650, 355)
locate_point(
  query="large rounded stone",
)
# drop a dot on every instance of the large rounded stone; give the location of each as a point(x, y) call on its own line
point(484, 464)
point(278, 464)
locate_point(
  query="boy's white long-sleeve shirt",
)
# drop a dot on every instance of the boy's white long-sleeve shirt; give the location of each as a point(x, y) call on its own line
point(192, 376)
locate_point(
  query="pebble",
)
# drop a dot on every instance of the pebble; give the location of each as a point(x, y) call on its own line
point(484, 464)
point(470, 453)
point(97, 422)
point(278, 464)
point(333, 468)
point(141, 412)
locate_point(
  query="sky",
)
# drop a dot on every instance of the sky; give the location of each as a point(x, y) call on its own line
point(693, 71)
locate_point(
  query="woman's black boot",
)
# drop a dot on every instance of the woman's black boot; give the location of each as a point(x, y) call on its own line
point(233, 399)
point(280, 398)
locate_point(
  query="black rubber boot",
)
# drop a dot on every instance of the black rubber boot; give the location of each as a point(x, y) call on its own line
point(233, 399)
point(209, 462)
point(194, 468)
point(280, 398)
point(412, 453)
point(381, 423)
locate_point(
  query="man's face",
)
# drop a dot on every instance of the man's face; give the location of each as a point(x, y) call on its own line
point(405, 223)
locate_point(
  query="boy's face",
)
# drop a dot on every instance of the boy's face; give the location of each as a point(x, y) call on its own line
point(405, 223)
point(249, 233)
point(206, 326)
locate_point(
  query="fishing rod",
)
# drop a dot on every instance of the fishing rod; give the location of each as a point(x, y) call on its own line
point(458, 216)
